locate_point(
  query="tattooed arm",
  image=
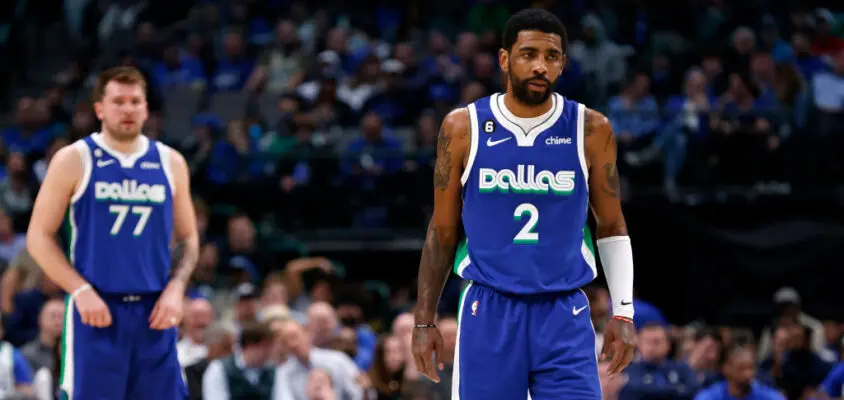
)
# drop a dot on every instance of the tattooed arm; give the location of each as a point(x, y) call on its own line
point(613, 242)
point(604, 191)
point(444, 227)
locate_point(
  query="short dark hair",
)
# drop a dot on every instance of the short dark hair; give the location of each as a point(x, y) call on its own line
point(255, 333)
point(126, 75)
point(532, 19)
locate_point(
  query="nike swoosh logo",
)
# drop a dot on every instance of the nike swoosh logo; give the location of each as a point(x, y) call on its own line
point(490, 142)
point(627, 303)
point(103, 163)
point(576, 311)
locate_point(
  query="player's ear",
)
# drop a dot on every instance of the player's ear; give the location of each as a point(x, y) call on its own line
point(504, 60)
point(98, 109)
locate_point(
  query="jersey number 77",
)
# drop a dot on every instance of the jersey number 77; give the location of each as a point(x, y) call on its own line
point(122, 211)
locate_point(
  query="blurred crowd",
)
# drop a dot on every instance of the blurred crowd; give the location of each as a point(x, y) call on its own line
point(302, 117)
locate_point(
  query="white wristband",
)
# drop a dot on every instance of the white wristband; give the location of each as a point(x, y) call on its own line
point(617, 259)
point(80, 290)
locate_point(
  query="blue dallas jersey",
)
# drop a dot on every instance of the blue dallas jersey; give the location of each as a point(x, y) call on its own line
point(121, 217)
point(525, 201)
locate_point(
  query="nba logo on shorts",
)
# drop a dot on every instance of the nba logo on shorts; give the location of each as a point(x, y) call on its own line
point(475, 308)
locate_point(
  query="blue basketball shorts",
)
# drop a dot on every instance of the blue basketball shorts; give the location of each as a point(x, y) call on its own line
point(124, 361)
point(515, 347)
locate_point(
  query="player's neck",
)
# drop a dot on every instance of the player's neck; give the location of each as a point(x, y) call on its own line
point(522, 110)
point(737, 391)
point(127, 146)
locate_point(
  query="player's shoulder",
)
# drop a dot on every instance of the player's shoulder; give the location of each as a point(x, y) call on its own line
point(595, 118)
point(456, 123)
point(175, 157)
point(71, 154)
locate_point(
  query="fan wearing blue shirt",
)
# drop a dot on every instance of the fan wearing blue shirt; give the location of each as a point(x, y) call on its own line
point(833, 385)
point(741, 384)
point(15, 374)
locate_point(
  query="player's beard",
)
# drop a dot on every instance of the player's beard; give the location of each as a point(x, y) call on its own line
point(122, 132)
point(525, 95)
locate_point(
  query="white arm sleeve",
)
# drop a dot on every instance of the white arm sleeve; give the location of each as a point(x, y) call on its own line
point(617, 259)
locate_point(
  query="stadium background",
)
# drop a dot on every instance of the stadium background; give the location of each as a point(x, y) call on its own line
point(312, 126)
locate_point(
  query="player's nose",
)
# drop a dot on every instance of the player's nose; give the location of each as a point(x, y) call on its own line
point(540, 68)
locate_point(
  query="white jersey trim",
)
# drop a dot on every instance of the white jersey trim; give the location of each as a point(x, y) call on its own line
point(87, 167)
point(473, 145)
point(125, 160)
point(526, 139)
point(581, 142)
point(164, 155)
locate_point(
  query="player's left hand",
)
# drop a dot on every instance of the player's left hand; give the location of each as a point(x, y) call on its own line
point(167, 312)
point(620, 342)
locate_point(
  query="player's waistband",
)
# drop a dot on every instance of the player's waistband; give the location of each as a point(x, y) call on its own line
point(532, 296)
point(129, 297)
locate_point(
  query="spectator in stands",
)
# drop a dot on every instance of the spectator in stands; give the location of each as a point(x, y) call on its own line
point(740, 371)
point(11, 243)
point(320, 386)
point(828, 91)
point(275, 293)
point(798, 370)
point(292, 376)
point(687, 116)
point(320, 289)
point(245, 375)
point(281, 68)
point(41, 352)
point(22, 323)
point(655, 375)
point(245, 308)
point(30, 133)
point(234, 67)
point(634, 114)
point(219, 340)
point(241, 242)
point(22, 274)
point(392, 101)
point(743, 131)
point(743, 44)
point(387, 373)
point(788, 306)
point(177, 70)
point(833, 384)
point(45, 382)
point(323, 324)
point(808, 63)
point(191, 348)
point(17, 192)
point(704, 356)
point(15, 370)
point(601, 59)
point(350, 312)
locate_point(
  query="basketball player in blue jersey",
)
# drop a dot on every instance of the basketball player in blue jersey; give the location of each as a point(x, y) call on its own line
point(520, 170)
point(126, 197)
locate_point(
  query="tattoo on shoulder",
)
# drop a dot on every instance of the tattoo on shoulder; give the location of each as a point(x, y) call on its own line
point(610, 143)
point(612, 186)
point(588, 123)
point(442, 169)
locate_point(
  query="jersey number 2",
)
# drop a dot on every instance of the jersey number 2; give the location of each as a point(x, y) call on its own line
point(122, 211)
point(526, 235)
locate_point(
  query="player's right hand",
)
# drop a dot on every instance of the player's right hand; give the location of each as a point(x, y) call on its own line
point(427, 343)
point(92, 309)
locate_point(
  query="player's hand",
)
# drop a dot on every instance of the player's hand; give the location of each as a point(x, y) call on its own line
point(92, 309)
point(427, 343)
point(167, 312)
point(620, 342)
